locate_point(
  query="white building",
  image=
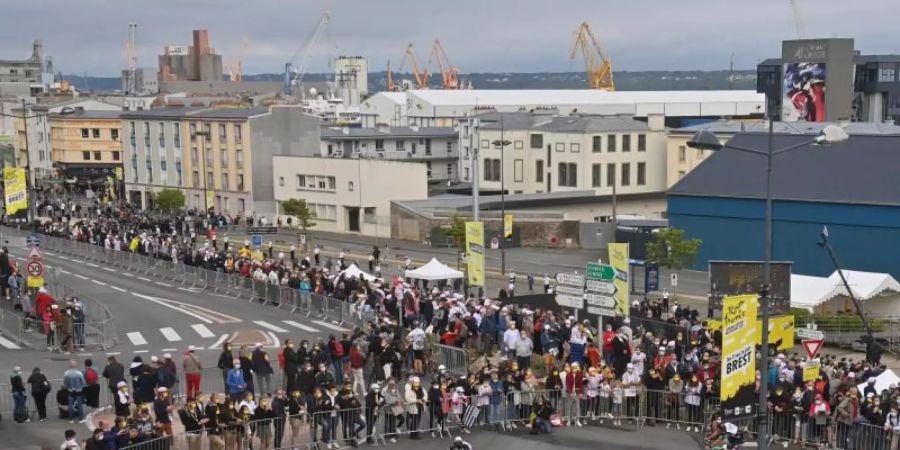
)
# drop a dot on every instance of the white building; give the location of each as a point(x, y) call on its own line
point(550, 153)
point(384, 108)
point(348, 195)
point(435, 148)
point(352, 73)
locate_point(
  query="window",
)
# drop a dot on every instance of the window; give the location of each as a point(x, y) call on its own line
point(488, 170)
point(117, 156)
point(225, 180)
point(626, 142)
point(642, 143)
point(162, 164)
point(237, 134)
point(449, 170)
point(680, 174)
point(114, 134)
point(194, 156)
point(596, 144)
point(401, 145)
point(161, 129)
point(239, 158)
point(350, 186)
point(195, 179)
point(208, 156)
point(497, 170)
point(207, 129)
point(518, 166)
point(575, 148)
point(379, 145)
point(193, 130)
point(301, 181)
point(539, 171)
point(427, 146)
point(413, 148)
point(886, 74)
point(641, 174)
point(146, 134)
point(563, 174)
point(224, 157)
point(449, 147)
point(568, 175)
point(221, 132)
point(518, 145)
point(240, 182)
point(332, 183)
point(626, 174)
point(595, 175)
point(610, 174)
point(369, 215)
point(611, 143)
point(537, 141)
point(85, 133)
point(178, 170)
point(86, 156)
point(485, 143)
point(682, 153)
point(210, 181)
point(242, 207)
point(176, 132)
point(96, 156)
point(428, 169)
point(560, 147)
point(281, 181)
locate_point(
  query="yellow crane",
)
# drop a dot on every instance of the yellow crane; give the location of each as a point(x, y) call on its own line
point(391, 87)
point(449, 73)
point(421, 78)
point(599, 67)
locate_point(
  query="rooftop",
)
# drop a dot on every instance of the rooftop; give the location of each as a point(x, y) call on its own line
point(161, 113)
point(861, 170)
point(228, 113)
point(517, 201)
point(80, 114)
point(476, 97)
point(335, 133)
point(560, 124)
point(760, 126)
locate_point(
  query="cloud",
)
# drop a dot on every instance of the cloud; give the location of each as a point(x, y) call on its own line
point(88, 36)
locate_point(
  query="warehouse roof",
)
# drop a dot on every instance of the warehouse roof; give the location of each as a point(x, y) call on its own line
point(497, 97)
point(734, 127)
point(560, 124)
point(228, 113)
point(861, 170)
point(334, 133)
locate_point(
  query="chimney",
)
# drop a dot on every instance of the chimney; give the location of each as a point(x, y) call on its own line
point(201, 42)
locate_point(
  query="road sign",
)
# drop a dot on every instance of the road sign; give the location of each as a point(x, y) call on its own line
point(256, 240)
point(572, 279)
point(651, 278)
point(262, 230)
point(810, 334)
point(602, 287)
point(33, 240)
point(674, 280)
point(601, 301)
point(570, 301)
point(35, 254)
point(812, 346)
point(495, 243)
point(597, 271)
point(35, 268)
point(569, 290)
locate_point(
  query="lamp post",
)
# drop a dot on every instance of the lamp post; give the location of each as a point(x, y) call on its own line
point(205, 134)
point(501, 144)
point(705, 140)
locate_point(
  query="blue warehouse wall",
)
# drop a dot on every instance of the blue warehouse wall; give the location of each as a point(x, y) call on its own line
point(864, 237)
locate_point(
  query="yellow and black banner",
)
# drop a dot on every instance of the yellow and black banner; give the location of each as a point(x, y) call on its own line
point(618, 258)
point(507, 226)
point(475, 252)
point(738, 391)
point(14, 185)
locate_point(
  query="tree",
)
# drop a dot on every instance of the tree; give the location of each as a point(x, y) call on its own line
point(671, 250)
point(169, 201)
point(298, 208)
point(457, 231)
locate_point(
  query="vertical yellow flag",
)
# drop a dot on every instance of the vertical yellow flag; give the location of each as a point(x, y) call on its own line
point(507, 225)
point(618, 258)
point(738, 391)
point(210, 196)
point(14, 186)
point(475, 252)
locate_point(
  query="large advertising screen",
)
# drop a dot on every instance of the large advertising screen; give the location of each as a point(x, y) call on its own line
point(803, 92)
point(746, 277)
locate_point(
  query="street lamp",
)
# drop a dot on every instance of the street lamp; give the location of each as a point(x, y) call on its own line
point(205, 134)
point(29, 175)
point(501, 144)
point(705, 140)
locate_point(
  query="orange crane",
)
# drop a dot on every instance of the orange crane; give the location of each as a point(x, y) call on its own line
point(391, 87)
point(421, 78)
point(449, 73)
point(599, 67)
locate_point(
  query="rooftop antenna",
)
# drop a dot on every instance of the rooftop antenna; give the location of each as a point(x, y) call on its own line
point(731, 74)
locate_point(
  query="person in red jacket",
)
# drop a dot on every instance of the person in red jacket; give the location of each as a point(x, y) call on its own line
point(42, 302)
point(608, 336)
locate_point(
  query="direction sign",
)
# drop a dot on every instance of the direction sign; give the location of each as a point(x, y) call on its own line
point(569, 290)
point(604, 301)
point(262, 230)
point(256, 240)
point(812, 346)
point(674, 280)
point(597, 271)
point(600, 311)
point(572, 279)
point(35, 268)
point(602, 287)
point(810, 334)
point(570, 301)
point(34, 253)
point(33, 240)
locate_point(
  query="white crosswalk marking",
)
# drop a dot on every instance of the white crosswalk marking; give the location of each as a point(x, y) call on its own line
point(202, 330)
point(301, 326)
point(136, 338)
point(8, 344)
point(170, 334)
point(219, 342)
point(329, 325)
point(268, 325)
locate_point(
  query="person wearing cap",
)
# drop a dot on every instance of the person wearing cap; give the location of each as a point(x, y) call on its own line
point(193, 370)
point(374, 409)
point(122, 400)
point(162, 406)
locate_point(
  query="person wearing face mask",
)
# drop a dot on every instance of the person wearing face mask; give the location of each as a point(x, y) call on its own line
point(264, 417)
point(350, 414)
point(327, 407)
point(122, 400)
point(374, 407)
point(393, 401)
point(211, 413)
point(226, 362)
point(297, 413)
point(692, 393)
point(162, 406)
point(780, 405)
point(892, 424)
point(235, 381)
point(655, 386)
point(280, 412)
point(676, 388)
point(193, 420)
point(631, 381)
point(524, 348)
point(324, 379)
point(306, 383)
point(819, 413)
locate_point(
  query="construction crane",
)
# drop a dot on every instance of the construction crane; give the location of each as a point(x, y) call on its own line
point(798, 20)
point(294, 72)
point(599, 67)
point(130, 84)
point(238, 74)
point(391, 87)
point(449, 73)
point(421, 78)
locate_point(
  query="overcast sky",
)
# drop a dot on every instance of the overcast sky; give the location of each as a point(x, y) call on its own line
point(88, 36)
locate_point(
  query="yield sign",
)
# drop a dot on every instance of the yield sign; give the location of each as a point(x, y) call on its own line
point(812, 346)
point(34, 253)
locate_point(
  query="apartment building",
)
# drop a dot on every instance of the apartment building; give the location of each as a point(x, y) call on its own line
point(86, 145)
point(436, 148)
point(550, 153)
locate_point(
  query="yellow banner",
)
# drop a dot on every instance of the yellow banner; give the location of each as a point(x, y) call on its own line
point(618, 258)
point(781, 331)
point(811, 370)
point(507, 225)
point(35, 282)
point(475, 252)
point(119, 173)
point(210, 197)
point(14, 186)
point(738, 395)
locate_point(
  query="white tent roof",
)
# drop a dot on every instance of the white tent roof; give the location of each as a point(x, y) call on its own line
point(809, 292)
point(356, 272)
point(882, 381)
point(434, 270)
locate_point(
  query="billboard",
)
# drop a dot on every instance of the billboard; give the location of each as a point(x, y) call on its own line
point(746, 277)
point(803, 92)
point(738, 391)
point(475, 252)
point(15, 187)
point(618, 258)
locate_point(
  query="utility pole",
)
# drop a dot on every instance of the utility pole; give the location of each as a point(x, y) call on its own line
point(501, 144)
point(473, 127)
point(31, 214)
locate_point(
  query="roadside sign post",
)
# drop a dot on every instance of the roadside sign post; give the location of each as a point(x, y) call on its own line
point(812, 347)
point(600, 290)
point(674, 280)
point(569, 292)
point(35, 268)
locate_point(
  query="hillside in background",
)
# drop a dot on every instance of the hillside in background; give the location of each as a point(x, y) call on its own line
point(625, 81)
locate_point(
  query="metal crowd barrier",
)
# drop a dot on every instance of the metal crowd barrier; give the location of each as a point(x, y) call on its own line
point(455, 359)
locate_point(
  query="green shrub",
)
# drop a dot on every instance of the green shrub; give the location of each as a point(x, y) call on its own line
point(849, 322)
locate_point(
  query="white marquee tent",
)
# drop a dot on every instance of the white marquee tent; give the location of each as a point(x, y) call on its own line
point(434, 270)
point(879, 293)
point(356, 272)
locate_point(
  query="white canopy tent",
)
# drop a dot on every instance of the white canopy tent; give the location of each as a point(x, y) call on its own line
point(434, 270)
point(356, 272)
point(879, 293)
point(882, 381)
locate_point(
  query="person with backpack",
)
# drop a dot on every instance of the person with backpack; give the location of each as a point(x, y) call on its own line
point(40, 388)
point(92, 385)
